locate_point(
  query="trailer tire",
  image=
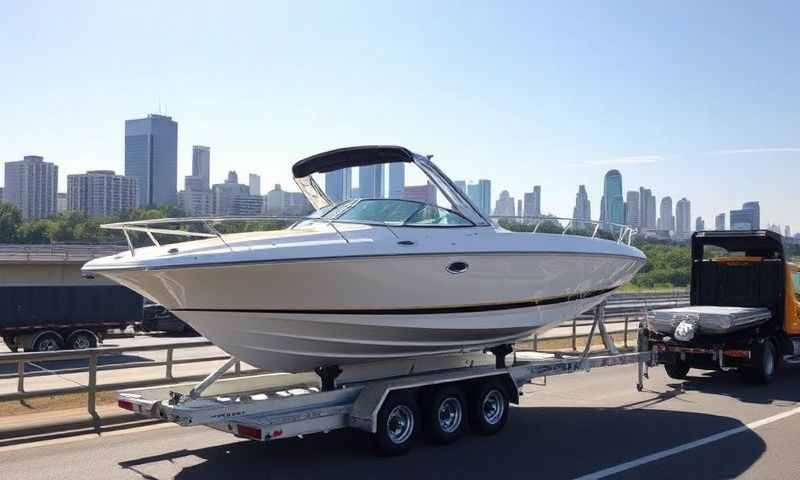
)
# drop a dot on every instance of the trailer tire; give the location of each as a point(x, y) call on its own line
point(81, 340)
point(398, 423)
point(765, 363)
point(489, 407)
point(444, 414)
point(47, 342)
point(677, 369)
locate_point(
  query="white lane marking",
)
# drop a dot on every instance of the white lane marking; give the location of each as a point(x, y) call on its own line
point(607, 472)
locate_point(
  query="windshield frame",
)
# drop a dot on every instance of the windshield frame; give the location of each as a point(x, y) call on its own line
point(460, 202)
point(348, 205)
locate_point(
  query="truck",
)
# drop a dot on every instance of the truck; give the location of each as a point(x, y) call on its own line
point(744, 273)
point(44, 318)
point(46, 303)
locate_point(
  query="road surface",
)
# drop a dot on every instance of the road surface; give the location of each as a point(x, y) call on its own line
point(577, 425)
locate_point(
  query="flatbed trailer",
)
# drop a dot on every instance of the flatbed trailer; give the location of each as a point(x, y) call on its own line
point(392, 400)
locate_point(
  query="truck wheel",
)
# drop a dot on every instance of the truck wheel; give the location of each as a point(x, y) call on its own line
point(677, 370)
point(82, 340)
point(765, 364)
point(47, 342)
point(488, 407)
point(398, 422)
point(444, 414)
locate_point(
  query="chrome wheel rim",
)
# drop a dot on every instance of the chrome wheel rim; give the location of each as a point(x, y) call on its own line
point(80, 343)
point(493, 407)
point(47, 345)
point(400, 424)
point(450, 414)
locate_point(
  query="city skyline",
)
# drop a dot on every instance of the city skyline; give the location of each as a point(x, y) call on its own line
point(552, 112)
point(196, 200)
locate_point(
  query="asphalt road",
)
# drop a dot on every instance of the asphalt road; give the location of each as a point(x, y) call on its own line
point(577, 425)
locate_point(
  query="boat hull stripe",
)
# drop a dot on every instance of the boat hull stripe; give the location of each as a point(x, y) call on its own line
point(410, 311)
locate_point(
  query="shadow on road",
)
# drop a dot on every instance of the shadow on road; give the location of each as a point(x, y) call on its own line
point(10, 369)
point(537, 443)
point(782, 389)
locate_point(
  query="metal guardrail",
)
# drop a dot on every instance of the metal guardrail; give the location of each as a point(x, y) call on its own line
point(57, 252)
point(92, 387)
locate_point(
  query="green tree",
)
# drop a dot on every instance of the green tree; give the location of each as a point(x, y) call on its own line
point(10, 220)
point(34, 232)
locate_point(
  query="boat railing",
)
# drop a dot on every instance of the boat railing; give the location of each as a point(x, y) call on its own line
point(151, 227)
point(543, 224)
point(572, 226)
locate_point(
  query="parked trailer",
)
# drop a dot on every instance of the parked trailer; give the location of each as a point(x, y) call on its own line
point(392, 400)
point(43, 318)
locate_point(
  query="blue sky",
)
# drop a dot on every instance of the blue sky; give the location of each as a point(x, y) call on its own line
point(695, 99)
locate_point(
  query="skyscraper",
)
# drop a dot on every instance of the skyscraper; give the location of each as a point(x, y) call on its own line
point(719, 222)
point(683, 218)
point(748, 218)
point(632, 216)
point(100, 193)
point(370, 181)
point(462, 185)
point(397, 179)
point(532, 204)
point(339, 185)
point(32, 185)
point(254, 182)
point(200, 179)
point(233, 198)
point(583, 207)
point(699, 224)
point(421, 193)
point(481, 195)
point(756, 208)
point(151, 156)
point(614, 202)
point(787, 231)
point(505, 205)
point(666, 221)
point(647, 209)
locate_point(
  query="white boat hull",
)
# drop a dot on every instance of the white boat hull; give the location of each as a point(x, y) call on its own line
point(297, 315)
point(302, 342)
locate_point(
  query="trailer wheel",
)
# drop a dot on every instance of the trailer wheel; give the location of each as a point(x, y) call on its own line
point(444, 414)
point(398, 422)
point(48, 342)
point(488, 407)
point(765, 363)
point(677, 370)
point(81, 340)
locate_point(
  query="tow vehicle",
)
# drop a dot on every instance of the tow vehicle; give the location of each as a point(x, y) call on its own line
point(746, 269)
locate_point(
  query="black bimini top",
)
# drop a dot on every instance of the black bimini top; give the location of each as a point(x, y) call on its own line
point(351, 157)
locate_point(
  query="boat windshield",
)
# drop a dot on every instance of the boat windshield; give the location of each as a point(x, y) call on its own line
point(796, 282)
point(392, 211)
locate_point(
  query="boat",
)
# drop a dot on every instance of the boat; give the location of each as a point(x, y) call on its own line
point(370, 279)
